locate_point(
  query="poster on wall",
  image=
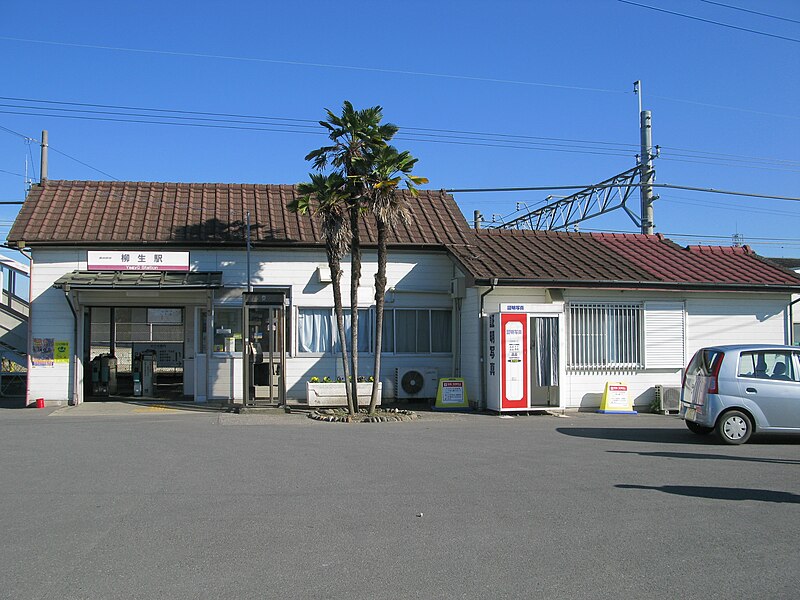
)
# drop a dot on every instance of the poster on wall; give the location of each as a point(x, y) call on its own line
point(42, 353)
point(61, 351)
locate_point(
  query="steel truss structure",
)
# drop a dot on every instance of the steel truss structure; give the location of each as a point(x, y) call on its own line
point(593, 201)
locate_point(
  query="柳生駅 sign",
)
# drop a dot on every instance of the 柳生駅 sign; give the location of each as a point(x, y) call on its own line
point(137, 260)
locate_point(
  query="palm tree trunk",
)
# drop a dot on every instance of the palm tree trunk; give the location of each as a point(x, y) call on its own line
point(380, 296)
point(336, 279)
point(355, 278)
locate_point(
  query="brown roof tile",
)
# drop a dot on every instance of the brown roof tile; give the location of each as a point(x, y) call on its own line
point(97, 212)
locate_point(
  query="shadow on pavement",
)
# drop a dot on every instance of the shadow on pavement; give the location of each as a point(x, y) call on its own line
point(774, 461)
point(719, 493)
point(634, 434)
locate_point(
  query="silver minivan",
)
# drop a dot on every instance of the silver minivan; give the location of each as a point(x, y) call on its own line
point(735, 391)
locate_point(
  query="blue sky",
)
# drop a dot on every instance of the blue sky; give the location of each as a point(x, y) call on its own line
point(558, 72)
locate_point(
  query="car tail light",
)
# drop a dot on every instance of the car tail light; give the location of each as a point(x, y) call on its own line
point(713, 377)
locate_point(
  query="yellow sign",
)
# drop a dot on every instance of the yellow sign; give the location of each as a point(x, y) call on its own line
point(451, 395)
point(616, 399)
point(61, 351)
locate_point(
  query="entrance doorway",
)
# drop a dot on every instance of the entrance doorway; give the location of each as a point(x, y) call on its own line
point(134, 351)
point(544, 386)
point(264, 350)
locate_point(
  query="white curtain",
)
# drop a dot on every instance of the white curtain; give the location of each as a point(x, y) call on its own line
point(314, 333)
point(546, 329)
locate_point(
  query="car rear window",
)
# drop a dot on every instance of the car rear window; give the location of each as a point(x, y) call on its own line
point(704, 361)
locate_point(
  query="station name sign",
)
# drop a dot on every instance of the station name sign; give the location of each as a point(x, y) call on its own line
point(137, 260)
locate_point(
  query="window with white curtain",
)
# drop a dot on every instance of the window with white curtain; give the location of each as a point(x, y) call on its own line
point(405, 331)
point(365, 327)
point(318, 332)
point(314, 331)
point(605, 335)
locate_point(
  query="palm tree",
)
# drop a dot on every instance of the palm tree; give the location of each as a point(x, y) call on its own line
point(388, 204)
point(325, 195)
point(356, 137)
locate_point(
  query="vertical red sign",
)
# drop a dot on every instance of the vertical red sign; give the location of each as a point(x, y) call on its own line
point(514, 359)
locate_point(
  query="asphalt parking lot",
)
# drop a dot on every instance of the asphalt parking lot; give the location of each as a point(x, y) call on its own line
point(147, 501)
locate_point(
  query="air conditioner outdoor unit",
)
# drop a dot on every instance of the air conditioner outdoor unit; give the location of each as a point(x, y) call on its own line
point(668, 398)
point(416, 382)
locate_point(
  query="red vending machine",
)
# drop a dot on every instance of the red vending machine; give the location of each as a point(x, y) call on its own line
point(507, 361)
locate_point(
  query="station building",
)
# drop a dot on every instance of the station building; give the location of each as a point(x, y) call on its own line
point(161, 272)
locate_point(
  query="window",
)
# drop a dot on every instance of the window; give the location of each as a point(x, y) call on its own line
point(417, 331)
point(318, 332)
point(314, 330)
point(365, 327)
point(605, 335)
point(228, 329)
point(407, 331)
point(767, 365)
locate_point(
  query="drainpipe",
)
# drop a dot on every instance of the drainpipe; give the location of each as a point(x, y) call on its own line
point(482, 373)
point(74, 346)
point(791, 320)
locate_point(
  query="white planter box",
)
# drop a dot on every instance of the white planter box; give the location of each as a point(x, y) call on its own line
point(333, 394)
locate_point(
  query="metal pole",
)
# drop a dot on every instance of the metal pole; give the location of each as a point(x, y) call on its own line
point(249, 286)
point(43, 171)
point(646, 171)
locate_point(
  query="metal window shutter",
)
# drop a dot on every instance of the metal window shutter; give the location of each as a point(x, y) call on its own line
point(664, 335)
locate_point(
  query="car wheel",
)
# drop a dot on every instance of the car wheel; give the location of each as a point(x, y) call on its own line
point(734, 427)
point(698, 429)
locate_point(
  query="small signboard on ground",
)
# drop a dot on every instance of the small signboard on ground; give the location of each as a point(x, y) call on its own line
point(451, 395)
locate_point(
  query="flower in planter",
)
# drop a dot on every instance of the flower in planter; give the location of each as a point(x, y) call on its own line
point(314, 380)
point(327, 380)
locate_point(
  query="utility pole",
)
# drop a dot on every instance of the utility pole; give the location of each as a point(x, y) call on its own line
point(646, 172)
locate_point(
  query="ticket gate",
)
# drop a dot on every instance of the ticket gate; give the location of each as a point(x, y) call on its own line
point(264, 348)
point(144, 373)
point(104, 375)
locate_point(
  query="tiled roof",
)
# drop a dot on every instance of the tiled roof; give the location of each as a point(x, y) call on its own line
point(104, 212)
point(619, 260)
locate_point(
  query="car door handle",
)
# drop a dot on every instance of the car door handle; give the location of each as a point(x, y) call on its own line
point(751, 390)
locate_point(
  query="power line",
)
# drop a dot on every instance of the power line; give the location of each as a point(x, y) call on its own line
point(752, 12)
point(677, 14)
point(12, 132)
point(583, 187)
point(304, 123)
point(728, 207)
point(81, 162)
point(496, 139)
point(29, 139)
point(313, 64)
point(287, 129)
point(122, 114)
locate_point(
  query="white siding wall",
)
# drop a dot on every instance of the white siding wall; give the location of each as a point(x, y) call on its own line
point(737, 320)
point(421, 279)
point(710, 319)
point(51, 317)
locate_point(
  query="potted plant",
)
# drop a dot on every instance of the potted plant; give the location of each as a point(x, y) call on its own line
point(327, 392)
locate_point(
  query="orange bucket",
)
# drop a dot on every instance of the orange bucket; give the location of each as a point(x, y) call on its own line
point(40, 403)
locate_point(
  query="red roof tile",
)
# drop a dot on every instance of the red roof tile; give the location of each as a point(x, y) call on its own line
point(614, 260)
